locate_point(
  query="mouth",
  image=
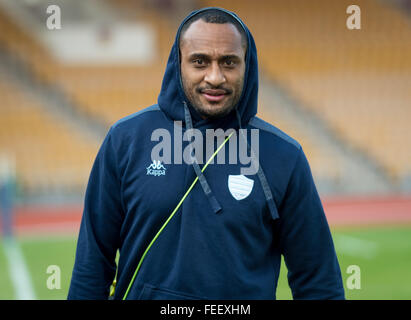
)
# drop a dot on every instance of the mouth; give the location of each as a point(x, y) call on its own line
point(214, 95)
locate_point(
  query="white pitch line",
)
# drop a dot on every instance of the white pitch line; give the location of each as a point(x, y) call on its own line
point(18, 270)
point(355, 246)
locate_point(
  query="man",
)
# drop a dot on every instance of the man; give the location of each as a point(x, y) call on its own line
point(7, 189)
point(190, 232)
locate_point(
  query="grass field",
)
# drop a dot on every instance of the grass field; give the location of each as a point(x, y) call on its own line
point(383, 255)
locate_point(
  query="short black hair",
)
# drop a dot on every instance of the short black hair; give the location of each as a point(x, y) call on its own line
point(219, 17)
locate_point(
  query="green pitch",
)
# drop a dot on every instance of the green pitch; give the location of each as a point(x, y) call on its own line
point(383, 256)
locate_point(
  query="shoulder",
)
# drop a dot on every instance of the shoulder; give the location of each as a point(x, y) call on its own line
point(276, 133)
point(136, 117)
point(128, 130)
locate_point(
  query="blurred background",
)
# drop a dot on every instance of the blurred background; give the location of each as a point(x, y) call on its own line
point(344, 94)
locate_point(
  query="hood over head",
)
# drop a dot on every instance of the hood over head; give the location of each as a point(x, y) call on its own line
point(174, 103)
point(172, 96)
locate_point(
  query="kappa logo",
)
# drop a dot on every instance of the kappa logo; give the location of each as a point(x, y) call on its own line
point(156, 169)
point(240, 186)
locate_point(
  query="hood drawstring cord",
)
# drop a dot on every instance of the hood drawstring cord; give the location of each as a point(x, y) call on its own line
point(203, 182)
point(260, 173)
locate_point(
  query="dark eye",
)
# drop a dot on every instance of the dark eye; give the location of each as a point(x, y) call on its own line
point(198, 62)
point(229, 63)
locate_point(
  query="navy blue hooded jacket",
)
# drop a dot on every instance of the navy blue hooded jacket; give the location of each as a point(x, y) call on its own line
point(233, 252)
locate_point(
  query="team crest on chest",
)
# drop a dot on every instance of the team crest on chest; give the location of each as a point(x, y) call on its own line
point(240, 186)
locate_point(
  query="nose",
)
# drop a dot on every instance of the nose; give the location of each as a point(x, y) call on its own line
point(214, 75)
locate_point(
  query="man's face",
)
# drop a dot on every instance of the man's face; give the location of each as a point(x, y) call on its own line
point(212, 67)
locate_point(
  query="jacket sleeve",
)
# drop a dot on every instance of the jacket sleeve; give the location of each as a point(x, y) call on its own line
point(98, 241)
point(305, 239)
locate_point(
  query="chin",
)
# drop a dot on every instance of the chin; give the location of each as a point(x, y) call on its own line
point(212, 111)
point(214, 114)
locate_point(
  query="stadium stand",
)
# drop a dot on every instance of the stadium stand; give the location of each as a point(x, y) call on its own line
point(62, 159)
point(105, 92)
point(49, 154)
point(355, 81)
